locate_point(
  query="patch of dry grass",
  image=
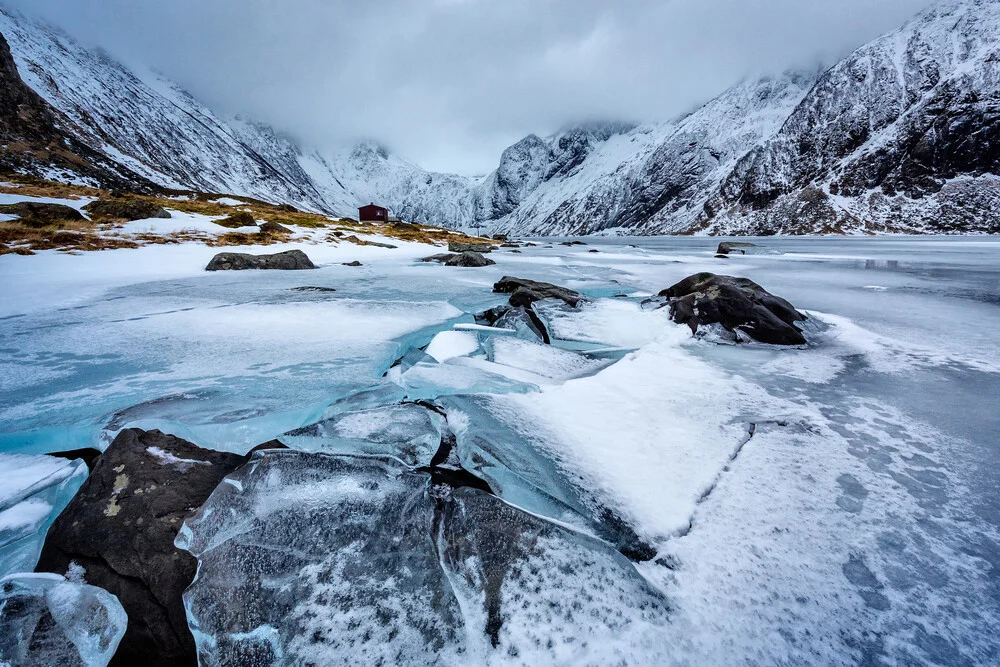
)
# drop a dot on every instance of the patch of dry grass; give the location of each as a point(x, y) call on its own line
point(87, 235)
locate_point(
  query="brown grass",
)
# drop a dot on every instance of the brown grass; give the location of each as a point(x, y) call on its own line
point(86, 235)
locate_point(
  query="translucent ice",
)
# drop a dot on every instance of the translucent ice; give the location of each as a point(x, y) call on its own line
point(407, 431)
point(312, 558)
point(33, 491)
point(322, 559)
point(47, 620)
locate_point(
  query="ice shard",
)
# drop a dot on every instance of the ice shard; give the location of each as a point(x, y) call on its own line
point(33, 491)
point(48, 620)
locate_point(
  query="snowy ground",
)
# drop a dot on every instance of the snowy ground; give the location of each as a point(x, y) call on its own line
point(859, 523)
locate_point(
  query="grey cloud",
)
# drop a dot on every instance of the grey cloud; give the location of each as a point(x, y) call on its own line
point(450, 83)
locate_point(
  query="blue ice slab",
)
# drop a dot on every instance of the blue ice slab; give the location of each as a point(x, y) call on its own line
point(33, 491)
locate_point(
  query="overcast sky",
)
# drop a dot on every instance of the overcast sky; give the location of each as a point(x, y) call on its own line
point(449, 83)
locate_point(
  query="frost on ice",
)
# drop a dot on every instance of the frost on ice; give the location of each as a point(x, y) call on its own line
point(47, 620)
point(325, 559)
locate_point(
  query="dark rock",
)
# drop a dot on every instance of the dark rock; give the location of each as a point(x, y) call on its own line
point(354, 263)
point(499, 237)
point(313, 288)
point(88, 454)
point(468, 259)
point(517, 251)
point(727, 247)
point(736, 304)
point(519, 318)
point(121, 526)
point(290, 260)
point(455, 246)
point(35, 214)
point(572, 243)
point(238, 219)
point(270, 444)
point(406, 226)
point(525, 292)
point(124, 208)
point(269, 227)
point(510, 245)
point(288, 208)
point(441, 257)
point(722, 256)
point(593, 250)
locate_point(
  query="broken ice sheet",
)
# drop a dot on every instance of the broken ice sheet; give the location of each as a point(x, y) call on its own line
point(542, 593)
point(47, 620)
point(407, 431)
point(33, 491)
point(313, 558)
point(645, 438)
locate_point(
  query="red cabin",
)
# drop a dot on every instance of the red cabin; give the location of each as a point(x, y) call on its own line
point(373, 213)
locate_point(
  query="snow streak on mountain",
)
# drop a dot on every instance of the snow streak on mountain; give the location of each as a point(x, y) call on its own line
point(902, 135)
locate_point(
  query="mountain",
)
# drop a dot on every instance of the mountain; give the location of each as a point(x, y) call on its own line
point(148, 125)
point(902, 135)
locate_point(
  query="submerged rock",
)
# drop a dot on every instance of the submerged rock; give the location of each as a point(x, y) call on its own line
point(34, 214)
point(354, 263)
point(290, 260)
point(124, 208)
point(738, 304)
point(120, 527)
point(313, 288)
point(47, 620)
point(524, 292)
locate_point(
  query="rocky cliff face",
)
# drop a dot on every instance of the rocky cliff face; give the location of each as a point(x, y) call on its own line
point(37, 140)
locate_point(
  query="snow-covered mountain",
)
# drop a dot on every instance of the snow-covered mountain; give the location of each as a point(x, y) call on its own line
point(902, 135)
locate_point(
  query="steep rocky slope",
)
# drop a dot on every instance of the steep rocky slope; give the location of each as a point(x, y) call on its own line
point(147, 125)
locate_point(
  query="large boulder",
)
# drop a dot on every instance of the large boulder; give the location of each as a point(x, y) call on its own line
point(35, 214)
point(467, 258)
point(124, 208)
point(525, 292)
point(456, 246)
point(120, 528)
point(738, 304)
point(290, 260)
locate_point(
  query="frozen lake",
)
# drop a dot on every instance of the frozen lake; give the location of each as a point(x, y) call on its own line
point(831, 504)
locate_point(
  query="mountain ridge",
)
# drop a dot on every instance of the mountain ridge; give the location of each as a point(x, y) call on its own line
point(902, 135)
